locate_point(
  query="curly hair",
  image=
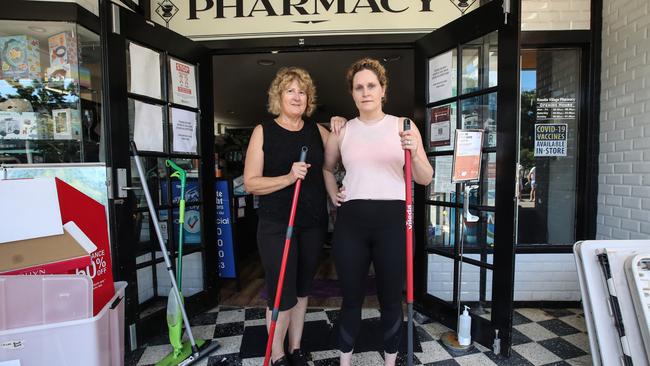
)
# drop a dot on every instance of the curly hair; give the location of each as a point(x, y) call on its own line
point(368, 64)
point(283, 78)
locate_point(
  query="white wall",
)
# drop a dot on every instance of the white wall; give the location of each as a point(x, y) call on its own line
point(538, 277)
point(624, 161)
point(555, 14)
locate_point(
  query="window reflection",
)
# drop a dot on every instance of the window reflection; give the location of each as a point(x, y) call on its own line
point(50, 93)
point(546, 170)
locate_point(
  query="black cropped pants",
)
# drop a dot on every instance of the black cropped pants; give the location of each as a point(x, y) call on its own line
point(306, 245)
point(370, 231)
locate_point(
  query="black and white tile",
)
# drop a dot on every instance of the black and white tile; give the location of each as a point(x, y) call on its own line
point(540, 337)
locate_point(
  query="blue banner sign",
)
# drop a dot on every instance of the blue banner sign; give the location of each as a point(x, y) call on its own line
point(192, 225)
point(225, 249)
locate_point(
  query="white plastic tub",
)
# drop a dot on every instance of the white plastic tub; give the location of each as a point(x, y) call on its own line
point(96, 341)
point(27, 301)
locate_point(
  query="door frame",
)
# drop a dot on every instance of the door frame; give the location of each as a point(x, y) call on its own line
point(471, 26)
point(117, 25)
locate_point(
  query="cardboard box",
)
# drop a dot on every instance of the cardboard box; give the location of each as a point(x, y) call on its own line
point(19, 56)
point(90, 217)
point(56, 254)
point(84, 220)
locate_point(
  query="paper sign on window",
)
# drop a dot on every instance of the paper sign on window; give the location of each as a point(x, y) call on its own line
point(183, 83)
point(441, 77)
point(184, 131)
point(467, 156)
point(440, 126)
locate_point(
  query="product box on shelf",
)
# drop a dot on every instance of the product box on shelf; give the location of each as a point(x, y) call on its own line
point(62, 49)
point(18, 126)
point(66, 124)
point(64, 59)
point(20, 57)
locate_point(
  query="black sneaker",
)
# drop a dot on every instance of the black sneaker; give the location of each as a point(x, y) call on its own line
point(298, 358)
point(282, 361)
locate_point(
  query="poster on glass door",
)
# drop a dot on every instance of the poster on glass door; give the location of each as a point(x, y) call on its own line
point(441, 77)
point(467, 156)
point(184, 131)
point(440, 126)
point(550, 139)
point(144, 71)
point(183, 83)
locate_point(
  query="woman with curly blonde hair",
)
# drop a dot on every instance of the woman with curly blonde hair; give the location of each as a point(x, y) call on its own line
point(271, 169)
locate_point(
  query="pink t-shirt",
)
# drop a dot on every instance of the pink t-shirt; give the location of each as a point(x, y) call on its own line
point(373, 158)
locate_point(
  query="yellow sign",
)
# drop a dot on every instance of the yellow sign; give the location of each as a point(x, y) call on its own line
point(228, 19)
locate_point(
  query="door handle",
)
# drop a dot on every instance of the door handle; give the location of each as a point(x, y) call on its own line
point(468, 216)
point(131, 188)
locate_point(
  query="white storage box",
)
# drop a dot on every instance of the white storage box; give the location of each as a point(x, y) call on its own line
point(27, 301)
point(96, 341)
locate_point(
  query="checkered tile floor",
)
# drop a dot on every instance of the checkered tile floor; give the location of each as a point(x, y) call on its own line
point(540, 337)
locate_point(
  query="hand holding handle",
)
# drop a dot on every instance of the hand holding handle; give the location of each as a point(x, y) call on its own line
point(303, 154)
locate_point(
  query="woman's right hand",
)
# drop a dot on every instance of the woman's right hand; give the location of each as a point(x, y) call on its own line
point(298, 171)
point(337, 123)
point(340, 197)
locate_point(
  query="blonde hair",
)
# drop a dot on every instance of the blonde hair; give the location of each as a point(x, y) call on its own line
point(372, 65)
point(283, 78)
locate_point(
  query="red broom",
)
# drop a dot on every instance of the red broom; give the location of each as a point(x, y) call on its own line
point(283, 266)
point(409, 246)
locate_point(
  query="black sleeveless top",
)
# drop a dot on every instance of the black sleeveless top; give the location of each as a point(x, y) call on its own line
point(281, 149)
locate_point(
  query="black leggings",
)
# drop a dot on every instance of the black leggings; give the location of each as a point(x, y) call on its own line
point(365, 231)
point(306, 245)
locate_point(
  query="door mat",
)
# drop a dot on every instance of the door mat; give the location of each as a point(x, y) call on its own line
point(315, 337)
point(320, 336)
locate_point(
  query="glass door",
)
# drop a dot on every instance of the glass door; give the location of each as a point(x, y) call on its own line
point(159, 92)
point(467, 78)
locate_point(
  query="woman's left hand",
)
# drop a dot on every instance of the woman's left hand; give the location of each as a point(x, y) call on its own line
point(409, 140)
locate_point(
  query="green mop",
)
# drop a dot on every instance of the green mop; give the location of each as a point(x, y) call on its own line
point(186, 353)
point(182, 350)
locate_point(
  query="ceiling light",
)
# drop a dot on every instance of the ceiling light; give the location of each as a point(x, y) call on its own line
point(37, 29)
point(275, 51)
point(265, 62)
point(392, 58)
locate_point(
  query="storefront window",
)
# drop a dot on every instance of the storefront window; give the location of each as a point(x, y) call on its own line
point(548, 146)
point(50, 93)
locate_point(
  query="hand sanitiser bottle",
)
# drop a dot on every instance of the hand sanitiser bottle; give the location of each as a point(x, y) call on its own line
point(465, 328)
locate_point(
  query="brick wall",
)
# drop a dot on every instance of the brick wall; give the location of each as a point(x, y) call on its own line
point(555, 14)
point(624, 161)
point(538, 277)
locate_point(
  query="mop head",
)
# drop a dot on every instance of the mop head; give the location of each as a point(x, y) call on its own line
point(186, 351)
